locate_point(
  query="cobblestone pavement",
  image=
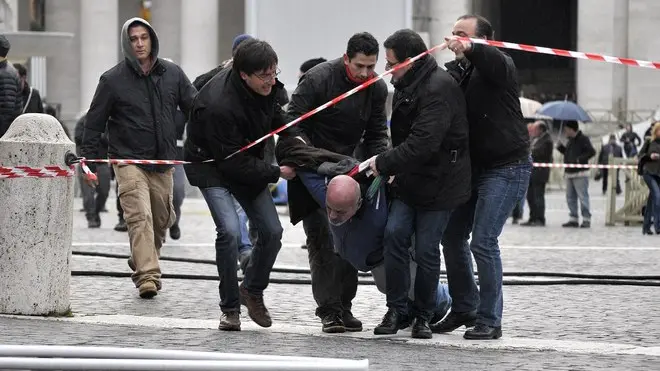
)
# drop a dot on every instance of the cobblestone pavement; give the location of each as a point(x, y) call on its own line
point(566, 315)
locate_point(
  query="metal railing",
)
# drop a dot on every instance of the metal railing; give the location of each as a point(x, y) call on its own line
point(635, 195)
point(49, 357)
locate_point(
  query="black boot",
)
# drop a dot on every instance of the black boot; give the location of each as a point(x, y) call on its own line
point(420, 329)
point(455, 320)
point(392, 322)
point(332, 324)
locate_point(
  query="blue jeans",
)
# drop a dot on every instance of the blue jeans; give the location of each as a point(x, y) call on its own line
point(244, 245)
point(495, 193)
point(653, 203)
point(578, 189)
point(261, 211)
point(427, 226)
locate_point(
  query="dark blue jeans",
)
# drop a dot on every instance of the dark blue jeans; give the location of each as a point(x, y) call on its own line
point(495, 194)
point(653, 202)
point(261, 211)
point(427, 226)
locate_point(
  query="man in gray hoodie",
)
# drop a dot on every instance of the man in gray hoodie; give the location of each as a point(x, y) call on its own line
point(136, 101)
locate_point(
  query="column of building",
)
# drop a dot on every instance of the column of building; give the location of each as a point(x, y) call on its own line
point(443, 14)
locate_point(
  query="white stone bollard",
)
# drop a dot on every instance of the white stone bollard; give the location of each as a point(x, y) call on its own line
point(36, 220)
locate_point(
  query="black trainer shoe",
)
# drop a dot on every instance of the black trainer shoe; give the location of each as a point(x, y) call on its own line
point(351, 323)
point(332, 324)
point(121, 226)
point(420, 329)
point(175, 232)
point(391, 323)
point(453, 321)
point(585, 224)
point(483, 332)
point(571, 225)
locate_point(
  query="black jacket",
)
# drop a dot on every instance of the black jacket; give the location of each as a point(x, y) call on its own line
point(542, 148)
point(226, 116)
point(35, 105)
point(78, 138)
point(138, 110)
point(430, 158)
point(646, 165)
point(498, 134)
point(578, 150)
point(338, 128)
point(610, 148)
point(11, 99)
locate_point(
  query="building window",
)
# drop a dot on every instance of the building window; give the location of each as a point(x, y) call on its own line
point(37, 10)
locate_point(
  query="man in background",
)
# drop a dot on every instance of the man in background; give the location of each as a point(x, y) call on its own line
point(31, 96)
point(11, 99)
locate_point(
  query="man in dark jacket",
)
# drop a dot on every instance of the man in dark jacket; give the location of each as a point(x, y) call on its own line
point(542, 148)
point(430, 163)
point(93, 198)
point(611, 148)
point(338, 129)
point(501, 167)
point(137, 101)
point(237, 107)
point(578, 150)
point(31, 96)
point(11, 100)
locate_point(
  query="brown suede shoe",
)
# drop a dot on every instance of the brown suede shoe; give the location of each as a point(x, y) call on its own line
point(256, 308)
point(148, 290)
point(230, 322)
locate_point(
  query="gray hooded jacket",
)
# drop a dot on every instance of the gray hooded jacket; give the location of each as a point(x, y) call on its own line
point(138, 109)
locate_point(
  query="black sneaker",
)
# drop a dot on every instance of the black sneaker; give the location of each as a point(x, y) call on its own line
point(585, 224)
point(332, 324)
point(453, 321)
point(571, 225)
point(351, 323)
point(94, 222)
point(121, 226)
point(420, 329)
point(483, 332)
point(391, 323)
point(175, 232)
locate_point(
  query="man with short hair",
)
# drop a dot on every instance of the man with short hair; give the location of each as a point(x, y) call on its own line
point(338, 129)
point(11, 99)
point(309, 64)
point(136, 101)
point(31, 96)
point(501, 167)
point(236, 107)
point(577, 150)
point(430, 164)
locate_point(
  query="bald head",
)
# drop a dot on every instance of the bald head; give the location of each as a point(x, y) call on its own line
point(343, 199)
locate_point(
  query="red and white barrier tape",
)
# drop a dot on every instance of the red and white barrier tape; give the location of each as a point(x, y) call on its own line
point(30, 172)
point(567, 53)
point(584, 166)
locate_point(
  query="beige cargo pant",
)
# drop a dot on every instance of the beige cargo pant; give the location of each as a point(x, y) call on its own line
point(146, 198)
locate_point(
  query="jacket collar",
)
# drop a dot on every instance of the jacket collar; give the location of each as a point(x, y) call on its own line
point(418, 73)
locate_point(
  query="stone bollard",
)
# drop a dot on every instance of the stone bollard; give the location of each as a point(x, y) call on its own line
point(36, 220)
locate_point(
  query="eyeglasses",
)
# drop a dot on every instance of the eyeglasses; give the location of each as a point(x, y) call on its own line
point(268, 77)
point(389, 65)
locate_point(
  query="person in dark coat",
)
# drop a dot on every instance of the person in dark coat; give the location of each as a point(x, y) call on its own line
point(542, 147)
point(236, 107)
point(136, 102)
point(501, 167)
point(630, 141)
point(611, 148)
point(31, 97)
point(11, 99)
point(338, 129)
point(649, 169)
point(430, 163)
point(578, 150)
point(93, 198)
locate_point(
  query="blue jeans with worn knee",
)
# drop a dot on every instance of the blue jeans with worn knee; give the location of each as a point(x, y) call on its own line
point(427, 226)
point(495, 193)
point(244, 244)
point(261, 211)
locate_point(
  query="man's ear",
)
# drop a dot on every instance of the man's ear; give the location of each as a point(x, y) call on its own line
point(244, 75)
point(347, 60)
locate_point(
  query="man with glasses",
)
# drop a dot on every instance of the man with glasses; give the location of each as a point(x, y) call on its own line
point(236, 107)
point(339, 129)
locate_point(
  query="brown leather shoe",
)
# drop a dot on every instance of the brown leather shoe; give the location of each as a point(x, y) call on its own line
point(230, 322)
point(256, 308)
point(148, 290)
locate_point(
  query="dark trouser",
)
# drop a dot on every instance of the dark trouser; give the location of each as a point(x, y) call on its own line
point(94, 198)
point(334, 280)
point(427, 226)
point(179, 191)
point(605, 173)
point(536, 201)
point(495, 193)
point(261, 211)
